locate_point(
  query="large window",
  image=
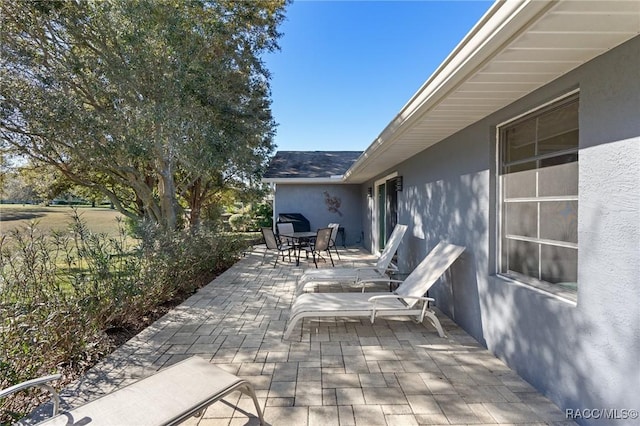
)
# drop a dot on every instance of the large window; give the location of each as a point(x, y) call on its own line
point(539, 197)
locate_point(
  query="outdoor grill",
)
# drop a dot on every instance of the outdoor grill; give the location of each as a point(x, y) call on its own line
point(300, 223)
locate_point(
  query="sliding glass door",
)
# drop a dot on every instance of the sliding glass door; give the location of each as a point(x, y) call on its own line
point(382, 215)
point(386, 209)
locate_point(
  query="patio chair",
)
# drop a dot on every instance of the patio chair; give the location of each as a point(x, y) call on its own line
point(320, 244)
point(357, 275)
point(274, 244)
point(402, 302)
point(285, 228)
point(168, 397)
point(334, 235)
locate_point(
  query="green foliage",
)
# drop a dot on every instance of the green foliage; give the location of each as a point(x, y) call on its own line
point(46, 181)
point(43, 323)
point(40, 183)
point(178, 260)
point(262, 215)
point(60, 293)
point(156, 104)
point(240, 222)
point(251, 217)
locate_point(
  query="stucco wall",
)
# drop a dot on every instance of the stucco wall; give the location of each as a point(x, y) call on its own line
point(311, 201)
point(584, 355)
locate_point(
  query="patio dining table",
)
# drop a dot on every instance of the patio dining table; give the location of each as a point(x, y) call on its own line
point(298, 240)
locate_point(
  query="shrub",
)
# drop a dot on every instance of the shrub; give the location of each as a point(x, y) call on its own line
point(240, 222)
point(176, 260)
point(45, 322)
point(61, 293)
point(262, 215)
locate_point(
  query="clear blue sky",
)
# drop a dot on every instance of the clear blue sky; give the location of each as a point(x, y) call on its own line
point(346, 68)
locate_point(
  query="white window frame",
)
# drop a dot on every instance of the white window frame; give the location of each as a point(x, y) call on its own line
point(530, 282)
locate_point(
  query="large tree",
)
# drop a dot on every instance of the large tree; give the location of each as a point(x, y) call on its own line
point(157, 104)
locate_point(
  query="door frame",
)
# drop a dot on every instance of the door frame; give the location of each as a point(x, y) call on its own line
point(375, 228)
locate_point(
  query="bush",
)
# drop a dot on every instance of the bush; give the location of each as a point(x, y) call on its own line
point(252, 218)
point(61, 293)
point(240, 222)
point(178, 259)
point(47, 314)
point(262, 215)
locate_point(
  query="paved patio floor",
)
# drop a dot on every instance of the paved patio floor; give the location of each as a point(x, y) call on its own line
point(333, 371)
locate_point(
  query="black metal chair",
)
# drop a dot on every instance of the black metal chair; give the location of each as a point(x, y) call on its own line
point(272, 243)
point(321, 243)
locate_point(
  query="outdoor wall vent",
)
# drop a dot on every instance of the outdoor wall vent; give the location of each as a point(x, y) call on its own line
point(399, 184)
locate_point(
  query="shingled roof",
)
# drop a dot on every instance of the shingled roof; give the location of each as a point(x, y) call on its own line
point(310, 164)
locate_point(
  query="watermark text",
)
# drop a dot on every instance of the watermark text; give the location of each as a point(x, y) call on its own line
point(601, 413)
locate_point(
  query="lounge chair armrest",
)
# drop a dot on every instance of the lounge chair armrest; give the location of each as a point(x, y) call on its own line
point(380, 280)
point(397, 296)
point(364, 268)
point(41, 382)
point(390, 268)
point(376, 280)
point(424, 299)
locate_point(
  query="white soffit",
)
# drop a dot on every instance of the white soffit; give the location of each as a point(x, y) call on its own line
point(517, 47)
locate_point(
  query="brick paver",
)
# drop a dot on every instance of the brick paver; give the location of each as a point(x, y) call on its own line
point(333, 371)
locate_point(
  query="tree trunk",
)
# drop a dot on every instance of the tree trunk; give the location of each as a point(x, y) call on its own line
point(167, 191)
point(195, 204)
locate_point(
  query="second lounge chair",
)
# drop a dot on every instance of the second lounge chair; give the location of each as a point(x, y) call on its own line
point(355, 275)
point(402, 302)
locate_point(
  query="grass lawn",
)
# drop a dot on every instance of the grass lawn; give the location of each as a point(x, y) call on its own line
point(98, 219)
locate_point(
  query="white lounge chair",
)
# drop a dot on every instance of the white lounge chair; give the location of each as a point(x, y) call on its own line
point(168, 397)
point(402, 302)
point(355, 275)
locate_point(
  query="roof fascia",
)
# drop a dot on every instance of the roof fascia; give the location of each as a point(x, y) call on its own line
point(299, 181)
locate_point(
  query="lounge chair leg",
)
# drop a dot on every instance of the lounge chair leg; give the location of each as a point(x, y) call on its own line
point(247, 389)
point(290, 326)
point(300, 284)
point(435, 322)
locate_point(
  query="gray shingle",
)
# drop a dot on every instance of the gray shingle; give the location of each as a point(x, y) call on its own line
point(310, 164)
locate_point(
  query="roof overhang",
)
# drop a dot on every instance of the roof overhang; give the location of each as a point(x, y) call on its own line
point(517, 47)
